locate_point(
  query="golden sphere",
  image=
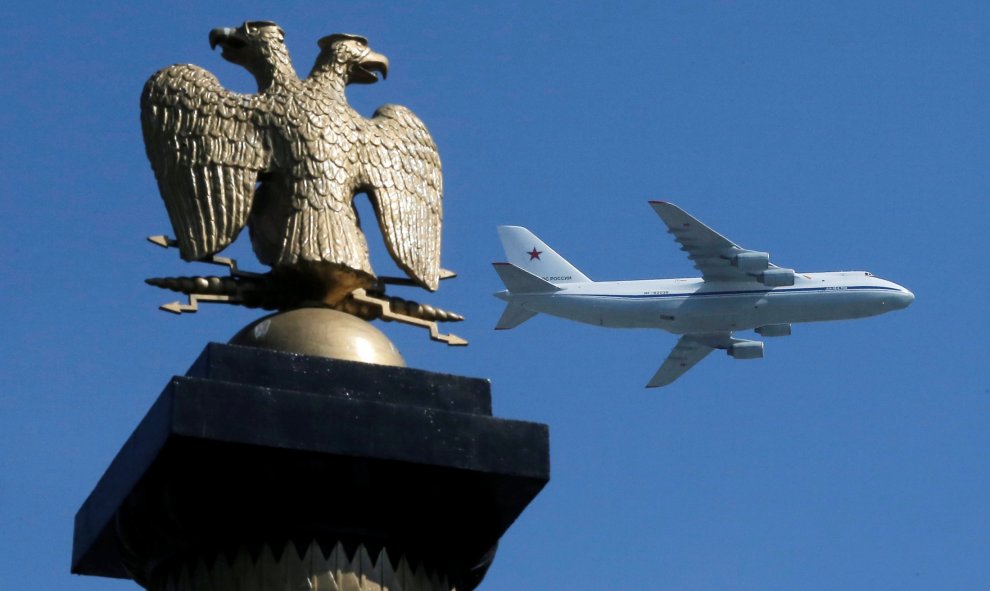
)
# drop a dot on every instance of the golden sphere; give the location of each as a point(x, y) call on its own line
point(320, 332)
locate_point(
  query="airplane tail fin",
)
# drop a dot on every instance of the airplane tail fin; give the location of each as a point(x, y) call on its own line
point(529, 253)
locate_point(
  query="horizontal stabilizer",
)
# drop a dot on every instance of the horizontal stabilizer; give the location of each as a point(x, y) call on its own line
point(513, 316)
point(518, 280)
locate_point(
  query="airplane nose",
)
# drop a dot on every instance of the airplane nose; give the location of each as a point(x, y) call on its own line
point(904, 298)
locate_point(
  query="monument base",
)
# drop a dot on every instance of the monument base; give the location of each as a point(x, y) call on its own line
point(361, 468)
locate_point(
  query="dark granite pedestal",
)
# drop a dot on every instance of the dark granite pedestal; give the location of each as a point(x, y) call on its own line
point(256, 452)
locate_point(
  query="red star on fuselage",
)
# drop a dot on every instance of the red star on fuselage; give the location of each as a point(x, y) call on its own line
point(534, 254)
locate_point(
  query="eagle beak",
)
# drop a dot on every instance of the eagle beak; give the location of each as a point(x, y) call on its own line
point(232, 43)
point(220, 36)
point(364, 72)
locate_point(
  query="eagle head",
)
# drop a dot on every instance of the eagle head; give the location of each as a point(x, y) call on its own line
point(258, 46)
point(350, 56)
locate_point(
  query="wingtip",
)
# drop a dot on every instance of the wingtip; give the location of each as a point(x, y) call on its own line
point(163, 241)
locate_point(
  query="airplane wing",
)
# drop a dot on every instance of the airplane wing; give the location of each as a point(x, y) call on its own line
point(714, 255)
point(690, 349)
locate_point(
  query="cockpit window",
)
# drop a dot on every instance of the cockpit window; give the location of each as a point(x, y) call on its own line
point(868, 274)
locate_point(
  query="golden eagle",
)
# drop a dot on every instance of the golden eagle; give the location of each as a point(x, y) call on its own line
point(288, 161)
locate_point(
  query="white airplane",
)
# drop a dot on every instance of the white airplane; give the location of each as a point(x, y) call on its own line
point(739, 289)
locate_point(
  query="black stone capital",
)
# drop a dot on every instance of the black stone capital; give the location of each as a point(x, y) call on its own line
point(255, 447)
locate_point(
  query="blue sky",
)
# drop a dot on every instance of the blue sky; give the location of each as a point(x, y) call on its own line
point(837, 136)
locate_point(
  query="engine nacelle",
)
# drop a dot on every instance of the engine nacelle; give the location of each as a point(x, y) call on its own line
point(751, 260)
point(774, 330)
point(746, 350)
point(777, 277)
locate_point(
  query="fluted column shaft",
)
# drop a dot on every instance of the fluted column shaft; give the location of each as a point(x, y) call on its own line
point(314, 570)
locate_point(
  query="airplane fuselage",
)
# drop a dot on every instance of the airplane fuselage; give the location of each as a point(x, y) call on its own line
point(684, 306)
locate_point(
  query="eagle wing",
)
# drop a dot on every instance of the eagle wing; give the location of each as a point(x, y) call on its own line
point(206, 148)
point(402, 166)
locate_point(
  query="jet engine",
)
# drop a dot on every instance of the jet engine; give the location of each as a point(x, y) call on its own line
point(751, 260)
point(777, 277)
point(746, 350)
point(774, 330)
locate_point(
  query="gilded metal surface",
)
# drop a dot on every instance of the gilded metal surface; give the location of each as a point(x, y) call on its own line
point(287, 161)
point(274, 292)
point(386, 312)
point(320, 332)
point(262, 291)
point(292, 571)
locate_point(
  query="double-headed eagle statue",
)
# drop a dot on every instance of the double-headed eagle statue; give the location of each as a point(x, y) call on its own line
point(286, 163)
